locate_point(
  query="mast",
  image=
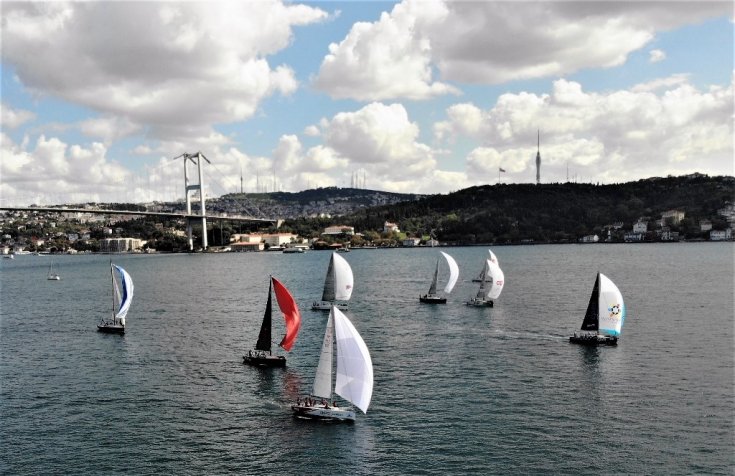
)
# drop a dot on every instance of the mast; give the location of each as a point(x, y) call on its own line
point(432, 288)
point(112, 279)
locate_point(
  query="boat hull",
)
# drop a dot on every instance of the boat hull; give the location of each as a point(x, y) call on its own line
point(432, 299)
point(264, 360)
point(326, 306)
point(111, 328)
point(593, 340)
point(320, 412)
point(479, 303)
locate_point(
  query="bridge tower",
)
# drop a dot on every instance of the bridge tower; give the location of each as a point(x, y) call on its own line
point(197, 160)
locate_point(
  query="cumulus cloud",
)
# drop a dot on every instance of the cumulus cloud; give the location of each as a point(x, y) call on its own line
point(614, 136)
point(12, 118)
point(52, 168)
point(654, 56)
point(170, 67)
point(492, 43)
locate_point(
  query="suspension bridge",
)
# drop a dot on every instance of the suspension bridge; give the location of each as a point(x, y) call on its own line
point(190, 216)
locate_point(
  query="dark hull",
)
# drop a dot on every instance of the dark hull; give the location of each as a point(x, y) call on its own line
point(331, 414)
point(477, 303)
point(111, 328)
point(433, 300)
point(593, 340)
point(265, 361)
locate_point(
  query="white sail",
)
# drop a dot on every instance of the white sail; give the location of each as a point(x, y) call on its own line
point(497, 280)
point(611, 308)
point(492, 257)
point(323, 379)
point(343, 279)
point(123, 292)
point(354, 365)
point(453, 273)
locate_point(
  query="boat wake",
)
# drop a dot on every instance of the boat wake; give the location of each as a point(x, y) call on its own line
point(508, 335)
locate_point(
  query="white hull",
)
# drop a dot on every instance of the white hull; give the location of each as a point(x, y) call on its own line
point(319, 412)
point(326, 305)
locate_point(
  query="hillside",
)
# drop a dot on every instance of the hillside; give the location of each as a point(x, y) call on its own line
point(549, 212)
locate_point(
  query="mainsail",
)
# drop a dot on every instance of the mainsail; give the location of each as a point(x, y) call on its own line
point(339, 281)
point(453, 273)
point(354, 366)
point(611, 310)
point(432, 288)
point(264, 337)
point(122, 292)
point(323, 379)
point(290, 313)
point(591, 317)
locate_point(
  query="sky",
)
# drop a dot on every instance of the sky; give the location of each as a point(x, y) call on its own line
point(416, 96)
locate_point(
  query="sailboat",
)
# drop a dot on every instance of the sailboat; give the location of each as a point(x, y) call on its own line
point(605, 314)
point(492, 280)
point(491, 257)
point(431, 297)
point(337, 285)
point(262, 355)
point(52, 275)
point(354, 380)
point(122, 296)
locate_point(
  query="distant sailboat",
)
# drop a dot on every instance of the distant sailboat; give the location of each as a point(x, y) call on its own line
point(491, 257)
point(605, 314)
point(492, 281)
point(52, 275)
point(262, 356)
point(122, 296)
point(431, 297)
point(354, 380)
point(337, 285)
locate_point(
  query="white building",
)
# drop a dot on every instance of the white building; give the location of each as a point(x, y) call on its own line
point(279, 239)
point(705, 225)
point(120, 245)
point(640, 226)
point(410, 242)
point(389, 227)
point(339, 230)
point(672, 217)
point(721, 235)
point(590, 239)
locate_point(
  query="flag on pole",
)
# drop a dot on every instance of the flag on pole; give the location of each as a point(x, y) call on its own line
point(501, 169)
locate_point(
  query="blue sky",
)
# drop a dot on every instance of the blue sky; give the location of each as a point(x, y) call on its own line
point(423, 96)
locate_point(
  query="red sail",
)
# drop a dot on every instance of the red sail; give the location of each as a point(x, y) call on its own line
point(290, 313)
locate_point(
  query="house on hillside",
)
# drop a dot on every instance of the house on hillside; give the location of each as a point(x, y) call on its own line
point(672, 217)
point(389, 227)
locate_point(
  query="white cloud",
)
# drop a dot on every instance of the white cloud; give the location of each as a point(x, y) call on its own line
point(654, 56)
point(615, 135)
point(492, 43)
point(109, 128)
point(52, 168)
point(172, 67)
point(386, 59)
point(12, 118)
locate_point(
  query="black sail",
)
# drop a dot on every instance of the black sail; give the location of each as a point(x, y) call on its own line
point(432, 288)
point(592, 317)
point(264, 338)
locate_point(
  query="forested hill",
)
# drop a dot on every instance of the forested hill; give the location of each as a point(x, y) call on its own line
point(552, 212)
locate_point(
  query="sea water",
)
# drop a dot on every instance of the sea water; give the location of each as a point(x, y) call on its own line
point(458, 390)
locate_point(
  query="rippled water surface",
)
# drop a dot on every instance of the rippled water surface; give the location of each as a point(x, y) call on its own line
point(458, 390)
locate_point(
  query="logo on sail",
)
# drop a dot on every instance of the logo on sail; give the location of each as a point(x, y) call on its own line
point(614, 310)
